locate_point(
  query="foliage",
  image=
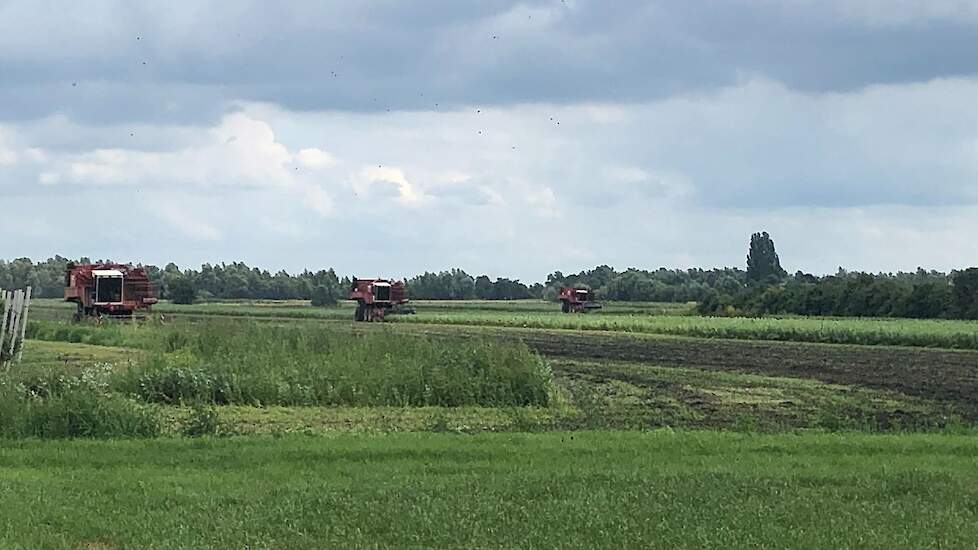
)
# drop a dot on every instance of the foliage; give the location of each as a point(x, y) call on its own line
point(923, 295)
point(763, 265)
point(661, 285)
point(965, 294)
point(327, 290)
point(459, 285)
point(182, 290)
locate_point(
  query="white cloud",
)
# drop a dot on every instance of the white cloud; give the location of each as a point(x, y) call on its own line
point(627, 174)
point(889, 171)
point(35, 155)
point(7, 157)
point(318, 199)
point(543, 200)
point(370, 177)
point(48, 178)
point(190, 225)
point(315, 158)
point(284, 228)
point(241, 151)
point(607, 114)
point(452, 177)
point(12, 152)
point(651, 184)
point(7, 154)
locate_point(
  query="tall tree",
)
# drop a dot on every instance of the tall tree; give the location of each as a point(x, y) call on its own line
point(965, 293)
point(182, 289)
point(763, 265)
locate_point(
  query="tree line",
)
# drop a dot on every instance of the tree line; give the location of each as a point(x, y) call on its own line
point(764, 287)
point(770, 290)
point(237, 281)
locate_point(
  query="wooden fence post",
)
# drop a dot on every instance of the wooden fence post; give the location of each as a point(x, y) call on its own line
point(7, 298)
point(7, 343)
point(13, 325)
point(23, 325)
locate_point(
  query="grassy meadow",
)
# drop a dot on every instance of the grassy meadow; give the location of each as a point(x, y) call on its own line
point(486, 425)
point(642, 318)
point(588, 489)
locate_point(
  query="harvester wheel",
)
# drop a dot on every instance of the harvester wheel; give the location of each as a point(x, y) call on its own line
point(564, 307)
point(359, 316)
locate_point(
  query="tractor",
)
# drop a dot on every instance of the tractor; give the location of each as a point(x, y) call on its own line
point(377, 298)
point(112, 290)
point(577, 300)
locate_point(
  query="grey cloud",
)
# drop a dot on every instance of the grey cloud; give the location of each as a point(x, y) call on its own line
point(759, 145)
point(409, 56)
point(684, 126)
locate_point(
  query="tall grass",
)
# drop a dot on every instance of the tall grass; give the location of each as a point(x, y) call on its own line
point(234, 363)
point(123, 335)
point(73, 410)
point(218, 363)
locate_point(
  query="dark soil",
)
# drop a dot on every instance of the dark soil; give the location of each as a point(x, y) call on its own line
point(948, 376)
point(941, 375)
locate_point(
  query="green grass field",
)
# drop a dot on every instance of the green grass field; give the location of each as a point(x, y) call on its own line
point(453, 381)
point(562, 490)
point(672, 319)
point(477, 426)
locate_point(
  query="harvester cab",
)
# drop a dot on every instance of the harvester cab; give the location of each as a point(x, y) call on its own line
point(382, 291)
point(108, 286)
point(113, 290)
point(376, 298)
point(577, 300)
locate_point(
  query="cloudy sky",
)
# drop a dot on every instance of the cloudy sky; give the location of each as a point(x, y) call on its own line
point(508, 138)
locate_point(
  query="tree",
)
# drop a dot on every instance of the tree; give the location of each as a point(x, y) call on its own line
point(965, 294)
point(324, 295)
point(182, 290)
point(483, 287)
point(763, 265)
point(327, 288)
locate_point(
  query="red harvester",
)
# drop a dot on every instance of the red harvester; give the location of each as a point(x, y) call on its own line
point(577, 300)
point(376, 298)
point(115, 290)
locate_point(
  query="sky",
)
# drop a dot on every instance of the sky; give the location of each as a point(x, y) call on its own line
point(388, 138)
